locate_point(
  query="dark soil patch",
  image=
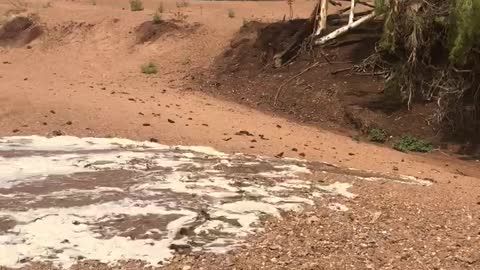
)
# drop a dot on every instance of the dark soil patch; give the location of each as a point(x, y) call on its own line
point(19, 31)
point(322, 95)
point(150, 31)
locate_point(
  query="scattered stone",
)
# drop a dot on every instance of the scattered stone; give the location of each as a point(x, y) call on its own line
point(68, 123)
point(262, 137)
point(227, 139)
point(52, 112)
point(146, 124)
point(243, 132)
point(171, 121)
point(15, 130)
point(302, 155)
point(294, 149)
point(57, 133)
point(153, 140)
point(279, 155)
point(351, 154)
point(278, 126)
point(205, 125)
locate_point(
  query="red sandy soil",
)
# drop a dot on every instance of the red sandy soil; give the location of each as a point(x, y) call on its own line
point(82, 77)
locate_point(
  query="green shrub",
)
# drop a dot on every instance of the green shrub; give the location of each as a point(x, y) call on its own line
point(149, 68)
point(377, 135)
point(157, 18)
point(136, 5)
point(231, 13)
point(410, 143)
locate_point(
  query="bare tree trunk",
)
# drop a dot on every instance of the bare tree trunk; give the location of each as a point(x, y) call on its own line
point(352, 12)
point(344, 29)
point(323, 17)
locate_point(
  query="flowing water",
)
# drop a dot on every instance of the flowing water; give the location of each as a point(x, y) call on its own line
point(63, 199)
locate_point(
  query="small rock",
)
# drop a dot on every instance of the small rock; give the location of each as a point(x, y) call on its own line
point(279, 155)
point(294, 149)
point(302, 155)
point(52, 112)
point(57, 133)
point(395, 168)
point(351, 154)
point(15, 130)
point(263, 137)
point(205, 125)
point(278, 126)
point(227, 139)
point(171, 121)
point(243, 132)
point(146, 124)
point(68, 123)
point(153, 140)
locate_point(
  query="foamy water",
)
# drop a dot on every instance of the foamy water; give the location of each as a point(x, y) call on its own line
point(65, 198)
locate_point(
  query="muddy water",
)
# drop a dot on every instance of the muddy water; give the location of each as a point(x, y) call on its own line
point(65, 198)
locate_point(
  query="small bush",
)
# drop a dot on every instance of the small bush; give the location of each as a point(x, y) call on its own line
point(136, 5)
point(157, 18)
point(182, 4)
point(231, 13)
point(377, 135)
point(409, 143)
point(149, 68)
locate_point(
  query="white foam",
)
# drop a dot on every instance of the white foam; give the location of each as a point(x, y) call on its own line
point(235, 210)
point(39, 238)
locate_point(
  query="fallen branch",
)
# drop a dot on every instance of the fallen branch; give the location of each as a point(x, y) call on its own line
point(340, 70)
point(291, 79)
point(344, 29)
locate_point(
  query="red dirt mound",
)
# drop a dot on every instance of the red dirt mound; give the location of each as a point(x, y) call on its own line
point(150, 31)
point(310, 89)
point(19, 32)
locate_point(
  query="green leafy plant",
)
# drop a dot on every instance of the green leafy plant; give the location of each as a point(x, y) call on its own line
point(231, 13)
point(136, 5)
point(410, 143)
point(157, 18)
point(149, 68)
point(377, 135)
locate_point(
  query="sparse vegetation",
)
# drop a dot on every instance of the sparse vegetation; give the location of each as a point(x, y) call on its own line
point(182, 4)
point(231, 13)
point(429, 49)
point(149, 68)
point(157, 18)
point(136, 5)
point(377, 135)
point(410, 143)
point(47, 5)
